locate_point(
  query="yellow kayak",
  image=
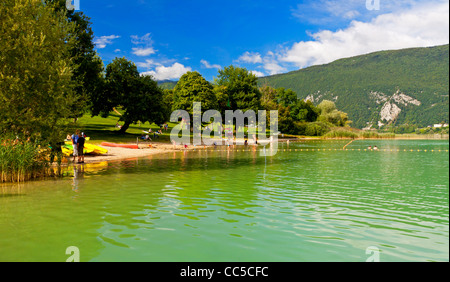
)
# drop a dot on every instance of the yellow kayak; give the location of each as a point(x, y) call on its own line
point(96, 149)
point(67, 149)
point(88, 149)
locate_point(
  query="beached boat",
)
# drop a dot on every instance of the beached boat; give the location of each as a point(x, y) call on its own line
point(129, 146)
point(67, 149)
point(96, 150)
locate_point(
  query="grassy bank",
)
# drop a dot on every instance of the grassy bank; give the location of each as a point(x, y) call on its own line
point(104, 130)
point(352, 133)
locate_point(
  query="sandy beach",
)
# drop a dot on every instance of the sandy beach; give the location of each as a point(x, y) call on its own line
point(118, 153)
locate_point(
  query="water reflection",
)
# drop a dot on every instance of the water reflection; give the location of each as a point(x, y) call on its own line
point(231, 204)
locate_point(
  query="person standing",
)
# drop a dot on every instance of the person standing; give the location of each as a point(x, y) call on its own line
point(74, 138)
point(81, 141)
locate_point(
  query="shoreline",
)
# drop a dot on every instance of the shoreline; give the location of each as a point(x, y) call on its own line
point(154, 148)
point(119, 153)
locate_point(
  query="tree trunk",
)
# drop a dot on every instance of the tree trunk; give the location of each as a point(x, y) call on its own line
point(124, 127)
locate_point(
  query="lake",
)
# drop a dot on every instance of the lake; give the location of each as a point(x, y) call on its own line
point(312, 201)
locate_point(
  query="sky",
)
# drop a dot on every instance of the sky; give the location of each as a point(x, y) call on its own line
point(167, 38)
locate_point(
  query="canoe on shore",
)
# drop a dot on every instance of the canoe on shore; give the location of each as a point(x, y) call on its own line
point(129, 146)
point(67, 149)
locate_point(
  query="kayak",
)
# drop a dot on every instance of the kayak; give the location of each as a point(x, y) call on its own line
point(91, 148)
point(129, 146)
point(67, 149)
point(97, 150)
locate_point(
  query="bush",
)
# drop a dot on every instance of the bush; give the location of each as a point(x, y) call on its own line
point(316, 129)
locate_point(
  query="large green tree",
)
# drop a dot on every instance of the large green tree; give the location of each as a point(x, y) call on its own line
point(89, 71)
point(139, 96)
point(240, 87)
point(192, 87)
point(36, 70)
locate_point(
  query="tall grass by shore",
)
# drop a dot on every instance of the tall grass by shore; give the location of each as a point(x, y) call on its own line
point(351, 133)
point(21, 161)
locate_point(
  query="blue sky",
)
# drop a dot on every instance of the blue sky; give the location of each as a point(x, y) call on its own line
point(166, 38)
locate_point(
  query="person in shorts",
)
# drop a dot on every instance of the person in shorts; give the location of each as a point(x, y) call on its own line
point(80, 143)
point(75, 144)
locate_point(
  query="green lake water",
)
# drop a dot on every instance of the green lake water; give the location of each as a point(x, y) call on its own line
point(237, 206)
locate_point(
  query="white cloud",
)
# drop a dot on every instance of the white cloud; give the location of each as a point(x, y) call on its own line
point(273, 67)
point(207, 65)
point(325, 12)
point(171, 72)
point(271, 63)
point(144, 44)
point(102, 41)
point(143, 40)
point(117, 51)
point(252, 58)
point(420, 26)
point(143, 52)
point(257, 73)
point(149, 63)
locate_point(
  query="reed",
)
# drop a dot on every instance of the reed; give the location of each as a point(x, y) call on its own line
point(341, 133)
point(21, 161)
point(376, 135)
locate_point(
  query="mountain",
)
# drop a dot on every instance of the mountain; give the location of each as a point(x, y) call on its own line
point(408, 86)
point(167, 84)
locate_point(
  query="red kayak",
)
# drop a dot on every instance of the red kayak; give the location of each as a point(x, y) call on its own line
point(129, 146)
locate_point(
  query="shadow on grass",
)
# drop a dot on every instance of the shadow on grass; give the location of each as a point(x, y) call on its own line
point(99, 134)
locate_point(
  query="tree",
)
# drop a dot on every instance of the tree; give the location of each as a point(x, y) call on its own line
point(192, 87)
point(222, 98)
point(36, 70)
point(139, 96)
point(268, 98)
point(241, 88)
point(330, 114)
point(89, 71)
point(286, 97)
point(304, 111)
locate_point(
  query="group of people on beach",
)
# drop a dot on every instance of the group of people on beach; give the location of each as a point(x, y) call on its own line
point(155, 134)
point(78, 140)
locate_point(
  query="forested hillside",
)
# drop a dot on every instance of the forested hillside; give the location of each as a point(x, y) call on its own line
point(409, 86)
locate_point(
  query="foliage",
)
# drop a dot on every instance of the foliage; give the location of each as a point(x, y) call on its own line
point(241, 88)
point(269, 98)
point(286, 97)
point(139, 96)
point(304, 111)
point(20, 161)
point(89, 72)
point(341, 132)
point(192, 87)
point(432, 130)
point(329, 113)
point(316, 129)
point(36, 70)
